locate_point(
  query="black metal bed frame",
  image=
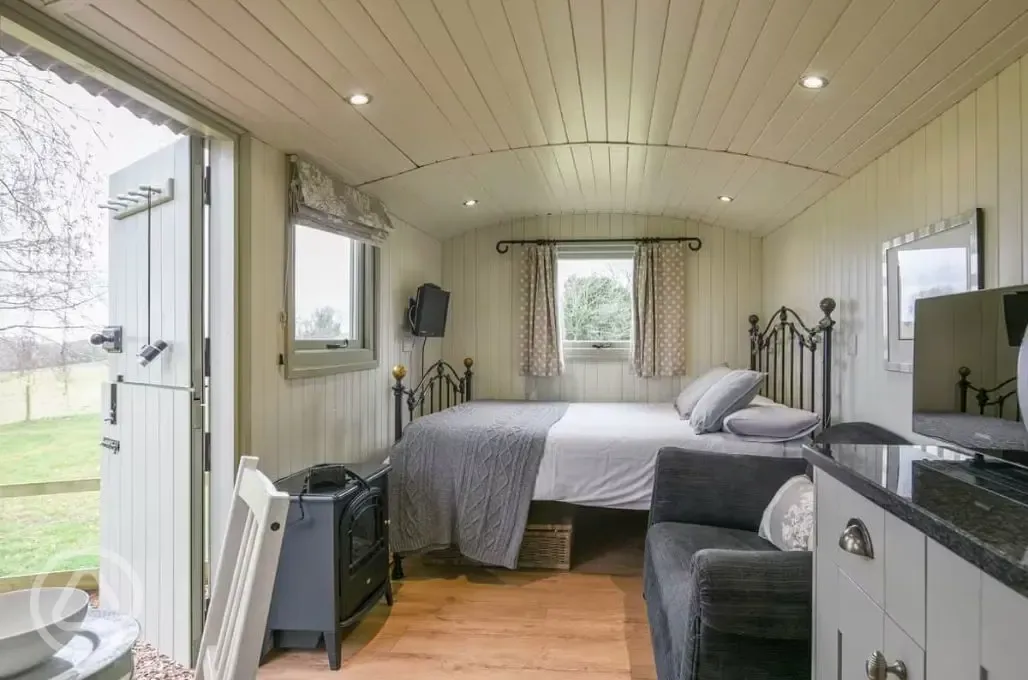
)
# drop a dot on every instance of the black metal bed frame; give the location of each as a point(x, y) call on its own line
point(441, 386)
point(987, 396)
point(774, 351)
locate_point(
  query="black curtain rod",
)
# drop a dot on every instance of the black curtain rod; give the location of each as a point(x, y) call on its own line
point(692, 242)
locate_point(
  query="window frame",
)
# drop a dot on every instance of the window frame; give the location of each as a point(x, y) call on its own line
point(585, 350)
point(305, 358)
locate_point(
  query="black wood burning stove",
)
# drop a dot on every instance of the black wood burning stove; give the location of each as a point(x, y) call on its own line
point(335, 555)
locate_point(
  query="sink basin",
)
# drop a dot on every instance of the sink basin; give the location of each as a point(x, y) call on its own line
point(35, 624)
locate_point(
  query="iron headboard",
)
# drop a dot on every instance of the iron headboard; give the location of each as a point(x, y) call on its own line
point(779, 349)
point(988, 396)
point(439, 388)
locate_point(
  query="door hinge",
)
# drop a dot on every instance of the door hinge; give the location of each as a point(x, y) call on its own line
point(112, 445)
point(206, 357)
point(206, 451)
point(207, 185)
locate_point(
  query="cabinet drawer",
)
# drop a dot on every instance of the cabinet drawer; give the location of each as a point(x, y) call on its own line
point(838, 508)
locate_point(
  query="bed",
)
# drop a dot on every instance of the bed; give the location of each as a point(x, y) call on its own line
point(583, 454)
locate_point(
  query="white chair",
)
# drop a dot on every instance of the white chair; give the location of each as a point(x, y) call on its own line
point(230, 648)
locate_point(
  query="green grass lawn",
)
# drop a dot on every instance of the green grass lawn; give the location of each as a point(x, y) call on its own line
point(34, 530)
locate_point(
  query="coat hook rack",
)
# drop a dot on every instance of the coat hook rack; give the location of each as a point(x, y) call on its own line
point(134, 201)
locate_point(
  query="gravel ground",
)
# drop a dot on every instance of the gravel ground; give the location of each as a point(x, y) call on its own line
point(151, 664)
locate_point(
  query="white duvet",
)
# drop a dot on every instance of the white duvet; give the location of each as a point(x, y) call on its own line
point(604, 454)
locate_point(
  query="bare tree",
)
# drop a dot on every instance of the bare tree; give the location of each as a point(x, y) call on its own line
point(48, 218)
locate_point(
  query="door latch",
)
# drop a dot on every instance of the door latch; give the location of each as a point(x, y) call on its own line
point(108, 339)
point(112, 404)
point(112, 445)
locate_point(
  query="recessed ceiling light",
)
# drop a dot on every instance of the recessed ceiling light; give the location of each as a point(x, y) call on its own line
point(470, 202)
point(725, 199)
point(813, 82)
point(360, 99)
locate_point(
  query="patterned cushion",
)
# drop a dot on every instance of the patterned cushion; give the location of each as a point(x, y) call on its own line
point(691, 394)
point(788, 520)
point(728, 395)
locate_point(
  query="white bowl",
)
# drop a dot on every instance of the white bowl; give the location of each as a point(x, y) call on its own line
point(36, 623)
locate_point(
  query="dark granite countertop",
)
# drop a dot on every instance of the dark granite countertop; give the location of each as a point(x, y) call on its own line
point(974, 505)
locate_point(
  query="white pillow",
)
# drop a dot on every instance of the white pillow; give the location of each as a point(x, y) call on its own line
point(788, 520)
point(776, 423)
point(761, 400)
point(690, 395)
point(728, 395)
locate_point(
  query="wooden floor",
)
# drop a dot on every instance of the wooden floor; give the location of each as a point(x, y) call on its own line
point(482, 624)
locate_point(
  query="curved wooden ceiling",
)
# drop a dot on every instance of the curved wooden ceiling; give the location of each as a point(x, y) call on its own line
point(535, 106)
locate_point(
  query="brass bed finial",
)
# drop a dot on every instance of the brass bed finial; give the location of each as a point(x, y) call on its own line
point(468, 362)
point(399, 372)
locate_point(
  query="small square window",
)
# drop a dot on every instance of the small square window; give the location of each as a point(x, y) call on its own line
point(594, 295)
point(332, 303)
point(327, 281)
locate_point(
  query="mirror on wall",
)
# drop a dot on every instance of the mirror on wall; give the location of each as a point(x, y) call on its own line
point(940, 259)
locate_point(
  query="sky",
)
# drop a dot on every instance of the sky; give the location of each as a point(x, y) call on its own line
point(118, 139)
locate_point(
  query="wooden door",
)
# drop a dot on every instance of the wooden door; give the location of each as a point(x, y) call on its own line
point(151, 471)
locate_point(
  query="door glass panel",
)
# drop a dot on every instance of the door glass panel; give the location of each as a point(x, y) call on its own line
point(364, 532)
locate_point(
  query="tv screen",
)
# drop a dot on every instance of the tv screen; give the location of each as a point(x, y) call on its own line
point(965, 370)
point(430, 309)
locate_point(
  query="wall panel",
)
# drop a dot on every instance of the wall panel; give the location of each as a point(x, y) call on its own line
point(292, 424)
point(970, 156)
point(723, 289)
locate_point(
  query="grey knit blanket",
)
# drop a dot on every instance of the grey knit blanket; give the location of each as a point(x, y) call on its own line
point(465, 477)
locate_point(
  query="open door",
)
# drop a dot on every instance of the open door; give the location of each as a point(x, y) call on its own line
point(151, 479)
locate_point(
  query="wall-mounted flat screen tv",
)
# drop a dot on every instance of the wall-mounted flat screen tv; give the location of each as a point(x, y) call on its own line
point(430, 308)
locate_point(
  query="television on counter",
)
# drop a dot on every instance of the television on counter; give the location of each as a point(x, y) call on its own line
point(965, 370)
point(428, 316)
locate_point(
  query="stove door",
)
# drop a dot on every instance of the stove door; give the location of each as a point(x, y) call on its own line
point(363, 555)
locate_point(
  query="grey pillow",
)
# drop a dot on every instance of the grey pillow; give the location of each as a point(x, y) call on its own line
point(788, 520)
point(691, 394)
point(771, 423)
point(731, 393)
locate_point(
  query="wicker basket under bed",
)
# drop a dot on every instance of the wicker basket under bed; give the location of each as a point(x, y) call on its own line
point(546, 545)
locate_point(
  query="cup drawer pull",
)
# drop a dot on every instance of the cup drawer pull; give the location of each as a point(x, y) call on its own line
point(877, 668)
point(856, 539)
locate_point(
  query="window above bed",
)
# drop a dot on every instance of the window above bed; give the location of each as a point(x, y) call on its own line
point(594, 298)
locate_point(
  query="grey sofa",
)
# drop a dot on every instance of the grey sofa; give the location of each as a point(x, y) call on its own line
point(721, 601)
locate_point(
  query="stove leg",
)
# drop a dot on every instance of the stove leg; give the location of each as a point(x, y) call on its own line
point(397, 567)
point(334, 647)
point(389, 592)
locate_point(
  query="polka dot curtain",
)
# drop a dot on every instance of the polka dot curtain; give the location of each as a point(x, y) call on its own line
point(659, 309)
point(540, 329)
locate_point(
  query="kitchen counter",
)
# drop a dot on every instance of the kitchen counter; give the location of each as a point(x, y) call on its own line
point(974, 505)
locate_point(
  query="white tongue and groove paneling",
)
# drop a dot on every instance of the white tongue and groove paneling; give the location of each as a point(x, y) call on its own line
point(973, 155)
point(723, 288)
point(293, 424)
point(669, 181)
point(452, 79)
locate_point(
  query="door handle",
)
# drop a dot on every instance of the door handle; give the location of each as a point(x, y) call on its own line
point(108, 339)
point(877, 668)
point(856, 539)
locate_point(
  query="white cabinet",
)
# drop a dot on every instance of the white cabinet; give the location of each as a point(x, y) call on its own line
point(861, 630)
point(953, 595)
point(913, 600)
point(1004, 626)
point(900, 647)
